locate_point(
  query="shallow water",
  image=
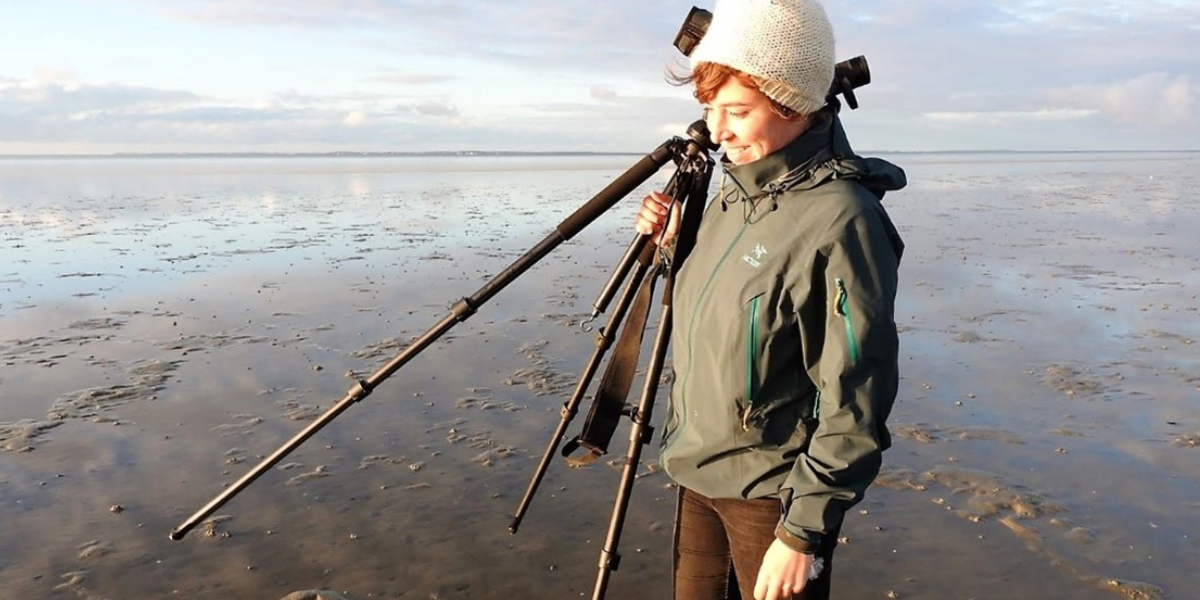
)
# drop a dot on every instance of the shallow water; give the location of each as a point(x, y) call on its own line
point(166, 323)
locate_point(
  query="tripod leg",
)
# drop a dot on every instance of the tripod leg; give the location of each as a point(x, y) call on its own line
point(463, 309)
point(640, 435)
point(603, 341)
point(681, 180)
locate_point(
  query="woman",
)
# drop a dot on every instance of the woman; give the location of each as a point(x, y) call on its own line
point(784, 343)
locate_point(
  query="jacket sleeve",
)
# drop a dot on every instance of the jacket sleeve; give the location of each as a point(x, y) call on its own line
point(851, 349)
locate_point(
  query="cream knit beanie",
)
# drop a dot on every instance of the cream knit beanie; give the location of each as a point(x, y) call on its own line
point(785, 45)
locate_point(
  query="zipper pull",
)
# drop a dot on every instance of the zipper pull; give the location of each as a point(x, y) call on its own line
point(839, 305)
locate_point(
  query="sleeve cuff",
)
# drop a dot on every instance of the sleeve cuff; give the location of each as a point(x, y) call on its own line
point(807, 543)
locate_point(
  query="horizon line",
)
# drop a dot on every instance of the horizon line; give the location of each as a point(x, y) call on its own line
point(512, 153)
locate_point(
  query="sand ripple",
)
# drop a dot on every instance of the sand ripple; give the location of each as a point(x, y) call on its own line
point(316, 595)
point(149, 378)
point(925, 433)
point(95, 549)
point(1031, 517)
point(1072, 381)
point(19, 436)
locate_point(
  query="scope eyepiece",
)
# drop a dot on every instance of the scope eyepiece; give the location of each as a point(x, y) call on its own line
point(694, 28)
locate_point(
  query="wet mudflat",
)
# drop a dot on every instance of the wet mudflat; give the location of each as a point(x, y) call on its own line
point(165, 324)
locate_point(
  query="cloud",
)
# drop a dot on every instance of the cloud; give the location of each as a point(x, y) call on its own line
point(1003, 118)
point(991, 55)
point(624, 33)
point(1150, 99)
point(43, 74)
point(544, 74)
point(37, 99)
point(603, 94)
point(411, 78)
point(432, 108)
point(117, 118)
point(78, 117)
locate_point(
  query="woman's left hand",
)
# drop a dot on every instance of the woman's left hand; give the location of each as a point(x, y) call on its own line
point(784, 572)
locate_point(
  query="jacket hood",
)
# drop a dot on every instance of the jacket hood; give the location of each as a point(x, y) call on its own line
point(819, 155)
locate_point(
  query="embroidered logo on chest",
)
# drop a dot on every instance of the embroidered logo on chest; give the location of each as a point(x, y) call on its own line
point(754, 258)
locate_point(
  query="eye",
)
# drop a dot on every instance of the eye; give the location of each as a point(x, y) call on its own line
point(737, 114)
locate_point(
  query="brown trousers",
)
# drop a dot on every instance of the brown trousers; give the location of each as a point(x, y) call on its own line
point(719, 547)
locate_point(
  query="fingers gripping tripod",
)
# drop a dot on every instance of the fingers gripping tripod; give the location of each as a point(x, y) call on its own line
point(690, 182)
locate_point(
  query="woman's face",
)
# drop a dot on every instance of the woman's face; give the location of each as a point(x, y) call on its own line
point(740, 119)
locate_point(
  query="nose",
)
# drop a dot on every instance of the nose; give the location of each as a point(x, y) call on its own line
point(716, 122)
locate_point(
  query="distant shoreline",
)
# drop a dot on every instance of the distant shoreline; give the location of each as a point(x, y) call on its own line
point(437, 154)
point(516, 154)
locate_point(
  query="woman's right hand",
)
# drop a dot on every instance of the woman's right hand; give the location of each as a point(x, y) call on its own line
point(658, 213)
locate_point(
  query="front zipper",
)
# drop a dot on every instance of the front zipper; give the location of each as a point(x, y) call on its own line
point(841, 306)
point(691, 328)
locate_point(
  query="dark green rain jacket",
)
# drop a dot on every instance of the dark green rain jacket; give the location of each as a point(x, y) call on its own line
point(784, 344)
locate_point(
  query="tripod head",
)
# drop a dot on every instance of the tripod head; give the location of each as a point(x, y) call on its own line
point(847, 75)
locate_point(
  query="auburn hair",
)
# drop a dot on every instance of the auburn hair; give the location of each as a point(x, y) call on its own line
point(708, 77)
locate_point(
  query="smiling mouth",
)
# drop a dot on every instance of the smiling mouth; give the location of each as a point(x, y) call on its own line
point(736, 152)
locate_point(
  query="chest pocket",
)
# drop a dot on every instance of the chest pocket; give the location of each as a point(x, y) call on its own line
point(753, 350)
point(775, 390)
point(841, 307)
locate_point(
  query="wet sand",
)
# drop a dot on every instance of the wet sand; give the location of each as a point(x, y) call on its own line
point(164, 324)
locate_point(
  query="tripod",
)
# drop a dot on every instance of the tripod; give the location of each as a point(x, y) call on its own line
point(689, 182)
point(688, 186)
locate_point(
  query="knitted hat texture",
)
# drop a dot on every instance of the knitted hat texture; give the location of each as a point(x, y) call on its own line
point(785, 45)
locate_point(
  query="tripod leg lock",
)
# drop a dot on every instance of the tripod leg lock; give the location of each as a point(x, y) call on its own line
point(603, 341)
point(566, 412)
point(361, 390)
point(609, 561)
point(463, 309)
point(647, 435)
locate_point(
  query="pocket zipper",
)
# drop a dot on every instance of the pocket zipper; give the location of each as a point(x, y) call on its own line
point(841, 307)
point(751, 361)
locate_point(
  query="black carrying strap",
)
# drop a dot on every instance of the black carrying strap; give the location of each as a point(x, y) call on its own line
point(609, 405)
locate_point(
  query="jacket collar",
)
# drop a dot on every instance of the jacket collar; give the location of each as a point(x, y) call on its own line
point(781, 169)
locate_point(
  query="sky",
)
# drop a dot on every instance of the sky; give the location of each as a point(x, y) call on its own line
point(119, 76)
